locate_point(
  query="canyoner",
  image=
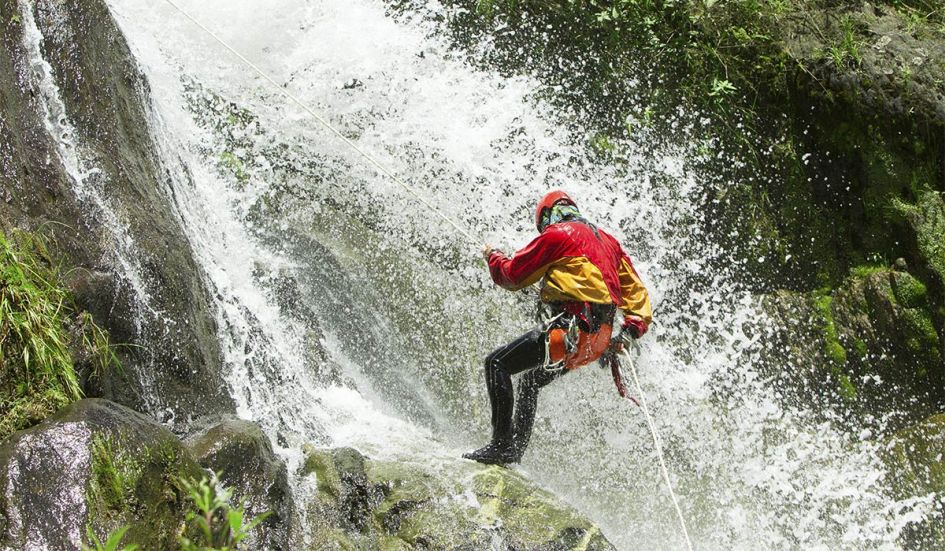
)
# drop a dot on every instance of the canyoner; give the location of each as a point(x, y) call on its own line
point(593, 296)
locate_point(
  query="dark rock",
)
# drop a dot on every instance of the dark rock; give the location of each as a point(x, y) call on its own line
point(95, 463)
point(241, 453)
point(176, 363)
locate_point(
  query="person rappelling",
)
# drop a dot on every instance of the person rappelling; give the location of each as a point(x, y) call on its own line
point(587, 280)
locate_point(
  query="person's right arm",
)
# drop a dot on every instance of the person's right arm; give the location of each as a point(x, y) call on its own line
point(528, 265)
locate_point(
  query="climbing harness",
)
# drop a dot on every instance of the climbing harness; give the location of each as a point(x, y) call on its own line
point(573, 340)
point(657, 442)
point(374, 162)
point(548, 364)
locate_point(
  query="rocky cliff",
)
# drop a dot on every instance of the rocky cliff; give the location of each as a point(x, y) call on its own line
point(77, 164)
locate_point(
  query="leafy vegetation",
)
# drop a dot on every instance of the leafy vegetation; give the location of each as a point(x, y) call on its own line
point(114, 474)
point(40, 334)
point(214, 524)
point(112, 543)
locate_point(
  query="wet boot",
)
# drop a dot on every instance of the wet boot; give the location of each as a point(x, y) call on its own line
point(497, 452)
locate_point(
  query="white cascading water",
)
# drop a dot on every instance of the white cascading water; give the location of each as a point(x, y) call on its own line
point(380, 345)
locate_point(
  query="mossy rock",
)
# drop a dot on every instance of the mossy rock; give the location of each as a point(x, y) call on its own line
point(110, 114)
point(885, 321)
point(94, 464)
point(915, 461)
point(926, 217)
point(869, 345)
point(460, 505)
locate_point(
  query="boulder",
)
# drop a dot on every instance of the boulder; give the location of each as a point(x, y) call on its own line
point(242, 455)
point(94, 464)
point(360, 503)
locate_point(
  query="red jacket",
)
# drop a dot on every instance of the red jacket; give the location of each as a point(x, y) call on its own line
point(577, 266)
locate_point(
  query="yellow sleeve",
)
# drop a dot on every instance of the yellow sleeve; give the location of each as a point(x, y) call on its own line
point(635, 298)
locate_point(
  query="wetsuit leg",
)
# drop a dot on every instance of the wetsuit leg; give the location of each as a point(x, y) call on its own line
point(528, 386)
point(524, 353)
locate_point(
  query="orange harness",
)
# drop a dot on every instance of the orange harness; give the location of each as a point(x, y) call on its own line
point(589, 347)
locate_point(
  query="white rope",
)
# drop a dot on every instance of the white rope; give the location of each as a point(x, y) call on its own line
point(325, 123)
point(657, 442)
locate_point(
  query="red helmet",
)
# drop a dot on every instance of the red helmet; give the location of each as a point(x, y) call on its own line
point(552, 198)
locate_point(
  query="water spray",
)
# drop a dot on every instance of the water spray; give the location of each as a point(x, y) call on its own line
point(657, 442)
point(291, 97)
point(473, 239)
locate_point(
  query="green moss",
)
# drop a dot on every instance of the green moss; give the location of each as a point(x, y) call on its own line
point(927, 219)
point(922, 338)
point(836, 353)
point(833, 349)
point(863, 271)
point(139, 488)
point(322, 465)
point(413, 507)
point(845, 386)
point(861, 348)
point(909, 291)
point(115, 474)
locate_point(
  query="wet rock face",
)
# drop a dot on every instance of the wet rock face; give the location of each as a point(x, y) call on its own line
point(243, 455)
point(97, 464)
point(915, 458)
point(362, 503)
point(109, 206)
point(871, 343)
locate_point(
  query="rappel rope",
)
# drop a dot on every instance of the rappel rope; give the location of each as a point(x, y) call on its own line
point(381, 168)
point(326, 124)
point(658, 444)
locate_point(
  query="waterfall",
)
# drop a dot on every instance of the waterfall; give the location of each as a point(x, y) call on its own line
point(348, 315)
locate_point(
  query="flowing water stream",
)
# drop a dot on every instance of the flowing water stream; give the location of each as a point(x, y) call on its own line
point(350, 315)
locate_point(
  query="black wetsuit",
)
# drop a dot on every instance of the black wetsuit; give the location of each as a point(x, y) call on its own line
point(526, 355)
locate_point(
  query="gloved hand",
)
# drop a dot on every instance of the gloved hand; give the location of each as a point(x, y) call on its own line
point(487, 251)
point(634, 326)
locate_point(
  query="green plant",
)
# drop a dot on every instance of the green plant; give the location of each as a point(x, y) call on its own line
point(111, 543)
point(214, 524)
point(36, 313)
point(847, 52)
point(721, 88)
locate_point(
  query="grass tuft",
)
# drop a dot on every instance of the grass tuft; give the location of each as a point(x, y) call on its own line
point(38, 374)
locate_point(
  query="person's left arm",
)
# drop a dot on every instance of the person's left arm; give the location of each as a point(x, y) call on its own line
point(634, 298)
